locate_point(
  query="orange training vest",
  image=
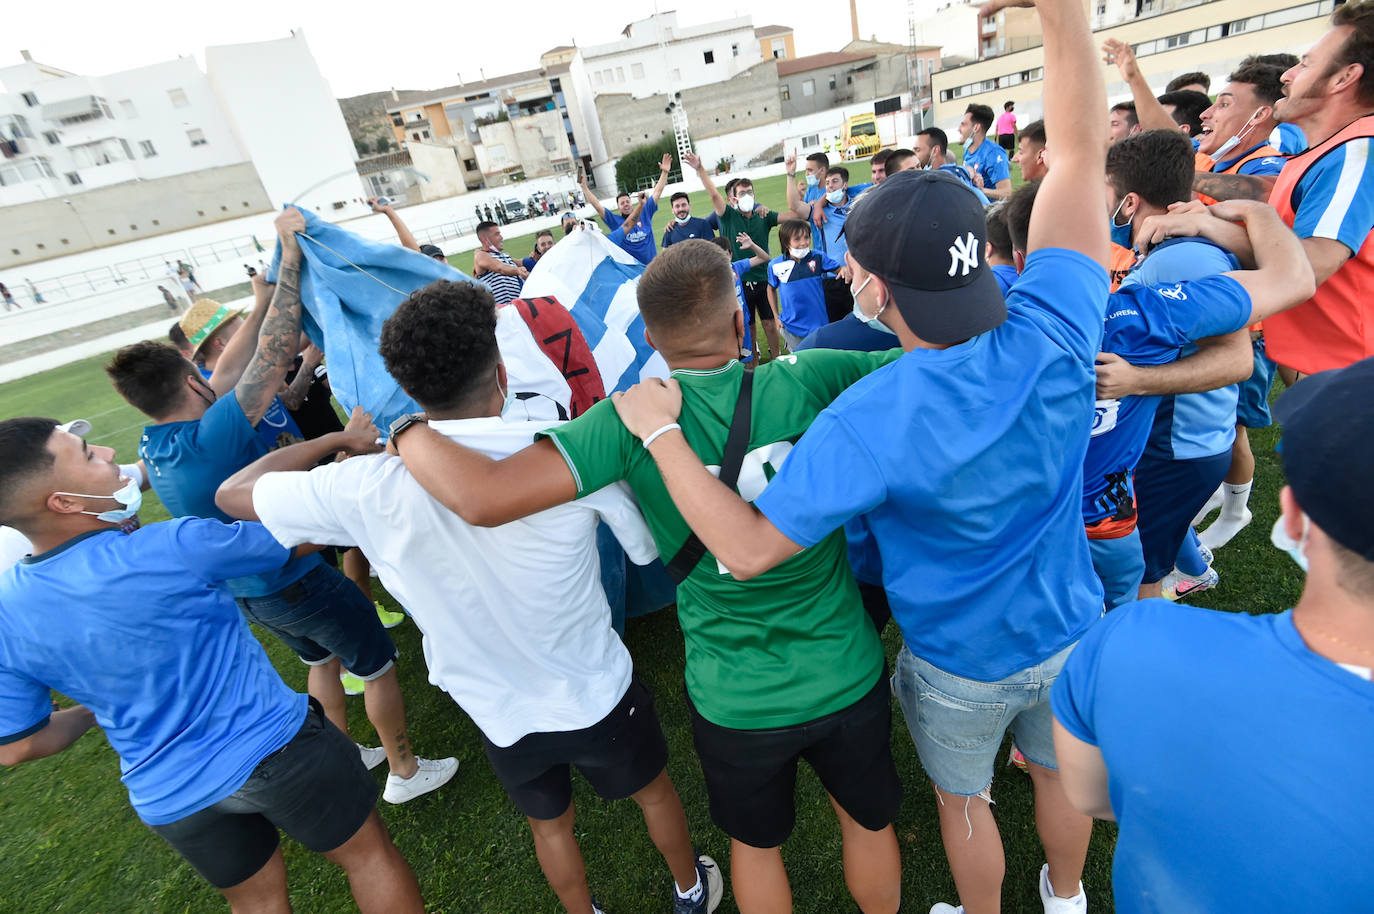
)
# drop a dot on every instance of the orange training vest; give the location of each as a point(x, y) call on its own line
point(1119, 264)
point(1203, 162)
point(1335, 327)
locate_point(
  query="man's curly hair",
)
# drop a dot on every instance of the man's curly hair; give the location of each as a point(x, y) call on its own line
point(440, 345)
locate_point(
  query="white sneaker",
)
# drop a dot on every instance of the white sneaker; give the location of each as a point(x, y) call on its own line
point(1177, 585)
point(372, 755)
point(1056, 905)
point(431, 775)
point(941, 908)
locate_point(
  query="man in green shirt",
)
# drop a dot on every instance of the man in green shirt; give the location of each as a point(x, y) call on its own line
point(741, 214)
point(780, 667)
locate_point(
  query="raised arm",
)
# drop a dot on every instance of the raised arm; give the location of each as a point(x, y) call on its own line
point(64, 728)
point(693, 161)
point(235, 494)
point(590, 197)
point(294, 394)
point(795, 207)
point(1076, 129)
point(280, 334)
point(759, 255)
point(635, 211)
point(1148, 111)
point(241, 346)
point(403, 234)
point(663, 168)
point(482, 491)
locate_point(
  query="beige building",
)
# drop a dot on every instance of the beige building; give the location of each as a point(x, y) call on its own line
point(1211, 37)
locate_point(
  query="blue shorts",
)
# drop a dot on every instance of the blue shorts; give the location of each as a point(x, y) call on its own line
point(1120, 565)
point(322, 616)
point(1168, 495)
point(1252, 410)
point(958, 724)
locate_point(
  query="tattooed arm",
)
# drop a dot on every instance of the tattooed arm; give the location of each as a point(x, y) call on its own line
point(280, 335)
point(1233, 187)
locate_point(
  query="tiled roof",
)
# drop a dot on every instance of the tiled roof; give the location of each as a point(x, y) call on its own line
point(817, 61)
point(772, 31)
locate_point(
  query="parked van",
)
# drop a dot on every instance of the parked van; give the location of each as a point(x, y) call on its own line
point(860, 137)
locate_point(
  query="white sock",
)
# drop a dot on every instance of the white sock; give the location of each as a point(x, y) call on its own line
point(1235, 499)
point(691, 894)
point(1213, 502)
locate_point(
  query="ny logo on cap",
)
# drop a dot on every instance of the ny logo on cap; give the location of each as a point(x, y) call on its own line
point(963, 251)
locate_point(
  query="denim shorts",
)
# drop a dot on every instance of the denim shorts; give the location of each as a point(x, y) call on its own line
point(1120, 565)
point(322, 616)
point(958, 724)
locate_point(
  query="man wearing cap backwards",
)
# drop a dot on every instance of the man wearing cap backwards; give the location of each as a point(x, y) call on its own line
point(221, 343)
point(966, 456)
point(1154, 703)
point(216, 751)
point(200, 437)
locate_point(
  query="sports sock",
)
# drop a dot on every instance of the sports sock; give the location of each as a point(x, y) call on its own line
point(1213, 502)
point(1235, 499)
point(1189, 559)
point(1235, 515)
point(693, 893)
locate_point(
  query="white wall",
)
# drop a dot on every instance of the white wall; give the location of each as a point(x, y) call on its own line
point(686, 47)
point(286, 117)
point(954, 30)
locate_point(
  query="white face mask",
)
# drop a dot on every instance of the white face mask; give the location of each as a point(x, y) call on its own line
point(835, 196)
point(1221, 151)
point(859, 311)
point(1297, 550)
point(130, 496)
point(680, 220)
point(745, 203)
point(799, 253)
point(507, 397)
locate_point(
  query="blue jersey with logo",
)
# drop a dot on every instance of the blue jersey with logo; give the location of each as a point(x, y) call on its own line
point(1148, 325)
point(801, 296)
point(968, 462)
point(276, 428)
point(831, 240)
point(1189, 425)
point(991, 161)
point(139, 628)
point(1167, 692)
point(962, 174)
point(638, 239)
point(1265, 165)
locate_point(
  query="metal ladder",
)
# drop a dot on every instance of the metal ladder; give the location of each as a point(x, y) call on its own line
point(680, 131)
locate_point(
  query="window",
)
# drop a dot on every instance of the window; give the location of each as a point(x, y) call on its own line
point(779, 49)
point(599, 78)
point(888, 106)
point(734, 50)
point(1176, 41)
point(708, 56)
point(808, 87)
point(636, 71)
point(73, 178)
point(469, 164)
point(550, 144)
point(397, 120)
point(196, 136)
point(146, 147)
point(620, 74)
point(52, 138)
point(832, 81)
point(812, 140)
point(677, 75)
point(555, 84)
point(178, 97)
point(786, 92)
point(415, 136)
point(31, 100)
point(126, 107)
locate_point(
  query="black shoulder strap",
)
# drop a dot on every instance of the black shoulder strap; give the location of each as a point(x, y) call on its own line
point(736, 446)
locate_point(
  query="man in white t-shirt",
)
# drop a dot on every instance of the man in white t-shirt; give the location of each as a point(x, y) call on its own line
point(516, 625)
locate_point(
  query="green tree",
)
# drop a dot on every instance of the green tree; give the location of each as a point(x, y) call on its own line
point(383, 144)
point(642, 162)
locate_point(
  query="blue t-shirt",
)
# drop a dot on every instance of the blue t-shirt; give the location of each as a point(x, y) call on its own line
point(692, 228)
point(740, 267)
point(187, 461)
point(1288, 139)
point(1265, 165)
point(830, 238)
point(150, 641)
point(991, 160)
point(969, 464)
point(637, 240)
point(277, 427)
point(528, 263)
point(1188, 426)
point(801, 296)
point(1172, 696)
point(1148, 325)
point(962, 174)
point(1005, 275)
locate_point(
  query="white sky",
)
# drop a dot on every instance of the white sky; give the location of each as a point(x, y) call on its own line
point(367, 47)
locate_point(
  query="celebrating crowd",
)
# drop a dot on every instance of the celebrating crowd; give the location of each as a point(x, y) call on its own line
point(991, 417)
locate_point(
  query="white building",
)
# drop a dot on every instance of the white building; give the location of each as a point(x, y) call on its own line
point(657, 56)
point(99, 160)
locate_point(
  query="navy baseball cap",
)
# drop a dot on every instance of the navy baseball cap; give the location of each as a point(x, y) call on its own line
point(432, 250)
point(1328, 422)
point(924, 233)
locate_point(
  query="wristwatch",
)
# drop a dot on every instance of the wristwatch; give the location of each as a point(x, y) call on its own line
point(406, 422)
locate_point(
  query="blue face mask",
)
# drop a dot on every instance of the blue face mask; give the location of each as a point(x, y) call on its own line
point(1121, 234)
point(507, 398)
point(129, 496)
point(1297, 550)
point(811, 180)
point(835, 196)
point(859, 311)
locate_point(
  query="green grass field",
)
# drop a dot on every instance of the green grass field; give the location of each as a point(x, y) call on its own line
point(73, 844)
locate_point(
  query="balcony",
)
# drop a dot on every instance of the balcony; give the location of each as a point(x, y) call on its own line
point(989, 27)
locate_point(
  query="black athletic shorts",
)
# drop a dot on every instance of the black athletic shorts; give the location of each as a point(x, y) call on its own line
point(1007, 141)
point(756, 301)
point(619, 755)
point(838, 301)
point(751, 775)
point(315, 788)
